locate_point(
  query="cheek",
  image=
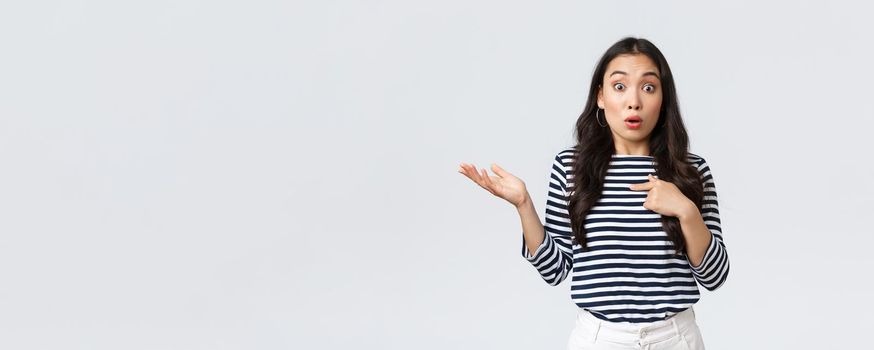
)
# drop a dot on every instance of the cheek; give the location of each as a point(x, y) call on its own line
point(655, 104)
point(613, 101)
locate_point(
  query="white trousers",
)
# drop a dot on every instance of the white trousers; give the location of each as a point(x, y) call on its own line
point(679, 332)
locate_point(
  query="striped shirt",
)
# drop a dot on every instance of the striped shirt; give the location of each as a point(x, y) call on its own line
point(629, 274)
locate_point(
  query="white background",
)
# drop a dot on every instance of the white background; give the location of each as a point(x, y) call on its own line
point(282, 175)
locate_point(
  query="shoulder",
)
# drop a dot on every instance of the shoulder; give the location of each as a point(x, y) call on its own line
point(565, 157)
point(561, 164)
point(701, 164)
point(696, 160)
point(566, 154)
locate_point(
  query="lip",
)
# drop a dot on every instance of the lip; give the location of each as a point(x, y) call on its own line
point(633, 122)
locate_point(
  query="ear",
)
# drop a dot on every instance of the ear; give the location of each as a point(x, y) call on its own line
point(600, 97)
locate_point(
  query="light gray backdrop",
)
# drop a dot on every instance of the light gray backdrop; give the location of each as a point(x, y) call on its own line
point(282, 175)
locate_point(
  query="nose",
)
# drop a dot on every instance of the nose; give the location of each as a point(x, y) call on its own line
point(633, 101)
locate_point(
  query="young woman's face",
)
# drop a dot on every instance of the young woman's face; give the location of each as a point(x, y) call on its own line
point(631, 87)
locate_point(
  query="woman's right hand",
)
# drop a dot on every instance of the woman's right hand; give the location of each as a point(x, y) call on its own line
point(504, 185)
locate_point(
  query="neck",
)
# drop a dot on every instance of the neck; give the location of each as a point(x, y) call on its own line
point(642, 150)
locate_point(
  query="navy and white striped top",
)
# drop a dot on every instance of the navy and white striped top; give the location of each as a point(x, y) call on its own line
point(629, 274)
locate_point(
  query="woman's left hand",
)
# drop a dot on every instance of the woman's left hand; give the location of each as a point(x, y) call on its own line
point(664, 198)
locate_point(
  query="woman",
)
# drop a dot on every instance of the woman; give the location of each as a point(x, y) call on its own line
point(636, 224)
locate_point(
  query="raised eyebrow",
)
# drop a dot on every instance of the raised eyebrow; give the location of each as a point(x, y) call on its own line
point(644, 74)
point(653, 74)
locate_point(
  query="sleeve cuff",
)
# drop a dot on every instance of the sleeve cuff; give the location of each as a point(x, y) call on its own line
point(708, 256)
point(540, 250)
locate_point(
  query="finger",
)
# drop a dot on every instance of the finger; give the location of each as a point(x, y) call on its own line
point(474, 172)
point(645, 186)
point(471, 172)
point(462, 170)
point(466, 170)
point(499, 171)
point(487, 180)
point(475, 175)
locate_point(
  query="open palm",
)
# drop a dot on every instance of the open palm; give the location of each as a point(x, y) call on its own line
point(504, 185)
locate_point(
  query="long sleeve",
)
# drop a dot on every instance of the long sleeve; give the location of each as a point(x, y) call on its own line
point(553, 258)
point(713, 271)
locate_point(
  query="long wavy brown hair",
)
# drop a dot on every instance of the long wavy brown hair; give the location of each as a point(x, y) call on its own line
point(668, 144)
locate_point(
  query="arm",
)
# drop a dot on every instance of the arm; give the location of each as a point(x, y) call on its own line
point(548, 246)
point(706, 252)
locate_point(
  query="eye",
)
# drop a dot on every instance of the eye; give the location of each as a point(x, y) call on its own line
point(619, 86)
point(649, 88)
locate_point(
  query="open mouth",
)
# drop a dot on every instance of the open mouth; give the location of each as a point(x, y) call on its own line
point(633, 122)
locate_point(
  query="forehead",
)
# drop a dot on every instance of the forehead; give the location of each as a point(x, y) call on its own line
point(634, 65)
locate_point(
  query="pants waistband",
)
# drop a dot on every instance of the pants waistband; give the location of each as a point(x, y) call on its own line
point(637, 333)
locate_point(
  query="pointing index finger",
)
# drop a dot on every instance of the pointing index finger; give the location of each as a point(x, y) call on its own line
point(643, 186)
